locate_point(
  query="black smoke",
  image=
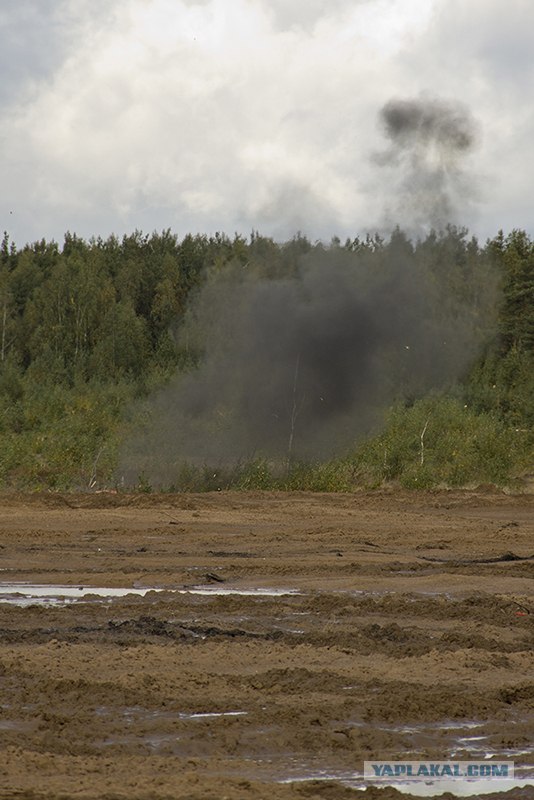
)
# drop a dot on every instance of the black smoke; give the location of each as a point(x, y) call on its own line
point(300, 367)
point(429, 140)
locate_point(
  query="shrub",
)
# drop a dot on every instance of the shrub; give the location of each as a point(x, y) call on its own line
point(440, 440)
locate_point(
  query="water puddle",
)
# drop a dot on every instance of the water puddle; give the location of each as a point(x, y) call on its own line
point(167, 731)
point(140, 714)
point(213, 714)
point(25, 594)
point(227, 590)
point(452, 725)
point(457, 788)
point(154, 742)
point(475, 739)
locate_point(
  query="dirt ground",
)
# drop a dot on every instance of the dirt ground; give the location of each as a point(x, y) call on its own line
point(407, 634)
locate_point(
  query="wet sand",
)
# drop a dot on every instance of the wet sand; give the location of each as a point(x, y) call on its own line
point(274, 643)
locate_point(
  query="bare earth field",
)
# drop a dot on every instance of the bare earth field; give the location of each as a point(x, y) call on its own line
point(406, 631)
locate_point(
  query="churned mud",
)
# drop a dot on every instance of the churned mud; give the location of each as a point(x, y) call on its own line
point(262, 645)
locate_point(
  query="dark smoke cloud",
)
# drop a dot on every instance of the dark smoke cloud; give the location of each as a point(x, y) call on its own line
point(429, 140)
point(301, 365)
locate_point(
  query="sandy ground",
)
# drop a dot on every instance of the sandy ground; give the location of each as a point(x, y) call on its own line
point(408, 634)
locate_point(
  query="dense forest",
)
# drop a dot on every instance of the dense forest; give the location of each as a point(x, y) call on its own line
point(90, 331)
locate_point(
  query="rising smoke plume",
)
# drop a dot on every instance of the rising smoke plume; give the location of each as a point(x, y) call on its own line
point(429, 140)
point(300, 366)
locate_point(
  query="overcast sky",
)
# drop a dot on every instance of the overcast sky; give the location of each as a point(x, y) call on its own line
point(233, 115)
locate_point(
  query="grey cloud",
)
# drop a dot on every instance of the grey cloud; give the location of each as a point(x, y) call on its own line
point(267, 121)
point(292, 206)
point(493, 36)
point(32, 45)
point(305, 13)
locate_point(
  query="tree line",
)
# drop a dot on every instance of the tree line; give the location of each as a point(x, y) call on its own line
point(89, 327)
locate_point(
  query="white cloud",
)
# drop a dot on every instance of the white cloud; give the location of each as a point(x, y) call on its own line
point(205, 116)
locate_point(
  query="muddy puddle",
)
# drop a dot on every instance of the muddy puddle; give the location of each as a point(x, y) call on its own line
point(457, 788)
point(185, 734)
point(25, 594)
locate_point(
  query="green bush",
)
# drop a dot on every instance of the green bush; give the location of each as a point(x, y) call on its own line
point(63, 438)
point(440, 440)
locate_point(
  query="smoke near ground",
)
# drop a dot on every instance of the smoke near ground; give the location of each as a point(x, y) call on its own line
point(425, 161)
point(299, 368)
